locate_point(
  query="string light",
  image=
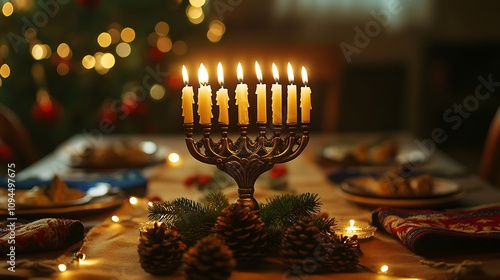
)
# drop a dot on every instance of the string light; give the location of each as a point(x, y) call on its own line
point(62, 267)
point(127, 35)
point(115, 219)
point(132, 200)
point(123, 49)
point(384, 268)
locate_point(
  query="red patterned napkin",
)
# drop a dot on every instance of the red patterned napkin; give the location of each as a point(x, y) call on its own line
point(433, 233)
point(42, 235)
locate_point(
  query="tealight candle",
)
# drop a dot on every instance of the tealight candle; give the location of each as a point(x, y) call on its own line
point(222, 97)
point(363, 230)
point(187, 98)
point(261, 96)
point(305, 98)
point(242, 98)
point(204, 97)
point(292, 98)
point(276, 98)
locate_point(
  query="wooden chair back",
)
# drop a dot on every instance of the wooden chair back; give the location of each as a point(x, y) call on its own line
point(16, 136)
point(490, 161)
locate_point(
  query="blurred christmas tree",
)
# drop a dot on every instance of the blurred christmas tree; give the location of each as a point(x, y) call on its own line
point(69, 66)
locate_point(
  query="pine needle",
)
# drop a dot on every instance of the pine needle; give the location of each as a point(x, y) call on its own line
point(285, 209)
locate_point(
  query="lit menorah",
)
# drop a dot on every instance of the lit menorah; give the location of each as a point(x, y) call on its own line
point(245, 159)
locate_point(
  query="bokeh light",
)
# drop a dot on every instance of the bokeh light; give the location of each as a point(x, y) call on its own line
point(62, 69)
point(123, 50)
point(5, 71)
point(104, 39)
point(128, 35)
point(195, 14)
point(63, 50)
point(162, 28)
point(7, 9)
point(179, 48)
point(164, 44)
point(197, 3)
point(88, 62)
point(157, 92)
point(38, 51)
point(108, 60)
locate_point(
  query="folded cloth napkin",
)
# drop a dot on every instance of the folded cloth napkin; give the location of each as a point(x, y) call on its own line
point(435, 233)
point(42, 235)
point(131, 181)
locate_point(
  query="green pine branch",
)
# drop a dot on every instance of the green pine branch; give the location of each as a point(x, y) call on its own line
point(195, 220)
point(284, 210)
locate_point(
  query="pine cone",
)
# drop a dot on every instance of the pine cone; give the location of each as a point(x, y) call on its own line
point(243, 231)
point(208, 259)
point(300, 242)
point(160, 249)
point(342, 253)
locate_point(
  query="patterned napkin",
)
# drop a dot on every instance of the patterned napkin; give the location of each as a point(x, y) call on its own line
point(438, 233)
point(40, 236)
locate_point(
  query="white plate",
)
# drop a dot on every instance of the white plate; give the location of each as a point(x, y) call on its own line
point(113, 153)
point(94, 204)
point(444, 192)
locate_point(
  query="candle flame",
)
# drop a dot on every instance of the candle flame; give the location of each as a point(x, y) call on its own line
point(276, 75)
point(290, 73)
point(202, 75)
point(220, 74)
point(351, 223)
point(258, 72)
point(185, 77)
point(239, 73)
point(304, 76)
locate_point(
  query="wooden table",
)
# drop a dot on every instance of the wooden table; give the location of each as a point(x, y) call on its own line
point(111, 248)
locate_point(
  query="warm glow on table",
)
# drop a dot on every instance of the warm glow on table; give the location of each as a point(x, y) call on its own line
point(261, 96)
point(242, 98)
point(292, 98)
point(222, 97)
point(187, 98)
point(305, 98)
point(276, 98)
point(204, 97)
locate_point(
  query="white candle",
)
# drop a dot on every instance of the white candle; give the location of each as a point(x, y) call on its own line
point(222, 97)
point(276, 98)
point(292, 98)
point(305, 98)
point(187, 98)
point(242, 98)
point(261, 96)
point(204, 97)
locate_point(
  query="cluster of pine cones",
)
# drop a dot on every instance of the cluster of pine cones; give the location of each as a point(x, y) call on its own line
point(240, 236)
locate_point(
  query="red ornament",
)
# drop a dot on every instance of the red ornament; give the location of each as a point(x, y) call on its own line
point(47, 111)
point(154, 198)
point(155, 55)
point(204, 179)
point(6, 153)
point(190, 180)
point(278, 171)
point(174, 82)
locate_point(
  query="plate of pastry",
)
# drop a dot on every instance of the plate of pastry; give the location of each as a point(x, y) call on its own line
point(394, 190)
point(114, 153)
point(58, 198)
point(380, 153)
